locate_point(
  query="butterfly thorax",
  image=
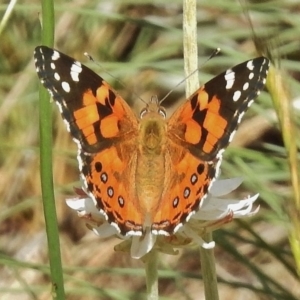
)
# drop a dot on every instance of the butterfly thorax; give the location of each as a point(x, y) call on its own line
point(150, 167)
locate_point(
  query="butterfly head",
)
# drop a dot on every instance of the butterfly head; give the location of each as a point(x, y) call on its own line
point(153, 108)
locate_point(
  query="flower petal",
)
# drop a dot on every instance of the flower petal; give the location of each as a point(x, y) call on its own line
point(83, 204)
point(142, 245)
point(216, 208)
point(105, 230)
point(222, 187)
point(76, 203)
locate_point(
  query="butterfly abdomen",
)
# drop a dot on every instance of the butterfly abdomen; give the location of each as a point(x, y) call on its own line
point(150, 176)
point(150, 167)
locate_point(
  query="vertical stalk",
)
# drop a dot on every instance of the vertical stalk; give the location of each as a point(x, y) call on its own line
point(45, 125)
point(151, 265)
point(208, 268)
point(192, 84)
point(190, 47)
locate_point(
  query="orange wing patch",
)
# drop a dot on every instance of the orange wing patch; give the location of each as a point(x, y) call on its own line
point(108, 178)
point(214, 123)
point(198, 124)
point(189, 183)
point(87, 116)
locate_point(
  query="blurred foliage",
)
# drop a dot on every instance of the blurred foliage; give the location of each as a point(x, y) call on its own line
point(138, 49)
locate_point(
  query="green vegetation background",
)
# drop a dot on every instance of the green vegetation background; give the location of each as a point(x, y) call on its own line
point(140, 43)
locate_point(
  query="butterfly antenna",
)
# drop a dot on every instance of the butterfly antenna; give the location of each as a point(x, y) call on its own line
point(117, 79)
point(213, 54)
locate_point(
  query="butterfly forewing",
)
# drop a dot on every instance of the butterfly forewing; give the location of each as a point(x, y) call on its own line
point(211, 115)
point(236, 89)
point(85, 100)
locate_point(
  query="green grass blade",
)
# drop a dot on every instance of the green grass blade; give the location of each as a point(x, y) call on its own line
point(46, 165)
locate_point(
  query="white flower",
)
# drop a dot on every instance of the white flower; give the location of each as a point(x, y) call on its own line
point(214, 213)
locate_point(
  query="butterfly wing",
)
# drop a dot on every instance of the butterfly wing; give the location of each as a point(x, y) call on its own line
point(188, 184)
point(104, 128)
point(207, 121)
point(95, 115)
point(198, 132)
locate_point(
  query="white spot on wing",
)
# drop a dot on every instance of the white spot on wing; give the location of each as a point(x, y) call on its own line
point(59, 107)
point(80, 162)
point(76, 69)
point(250, 65)
point(218, 165)
point(177, 227)
point(246, 86)
point(52, 66)
point(104, 177)
point(240, 117)
point(115, 225)
point(229, 77)
point(129, 233)
point(56, 76)
point(67, 125)
point(55, 55)
point(65, 86)
point(236, 96)
point(251, 101)
point(251, 75)
point(232, 135)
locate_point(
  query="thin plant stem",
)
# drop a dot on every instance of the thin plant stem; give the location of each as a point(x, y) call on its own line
point(190, 48)
point(46, 165)
point(151, 265)
point(208, 267)
point(192, 84)
point(281, 99)
point(8, 13)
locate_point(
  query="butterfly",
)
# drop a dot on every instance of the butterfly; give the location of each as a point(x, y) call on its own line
point(147, 171)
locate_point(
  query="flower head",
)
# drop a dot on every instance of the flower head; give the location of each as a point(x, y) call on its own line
point(214, 212)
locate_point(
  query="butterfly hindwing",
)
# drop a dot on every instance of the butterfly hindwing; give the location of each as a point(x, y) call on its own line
point(107, 176)
point(189, 184)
